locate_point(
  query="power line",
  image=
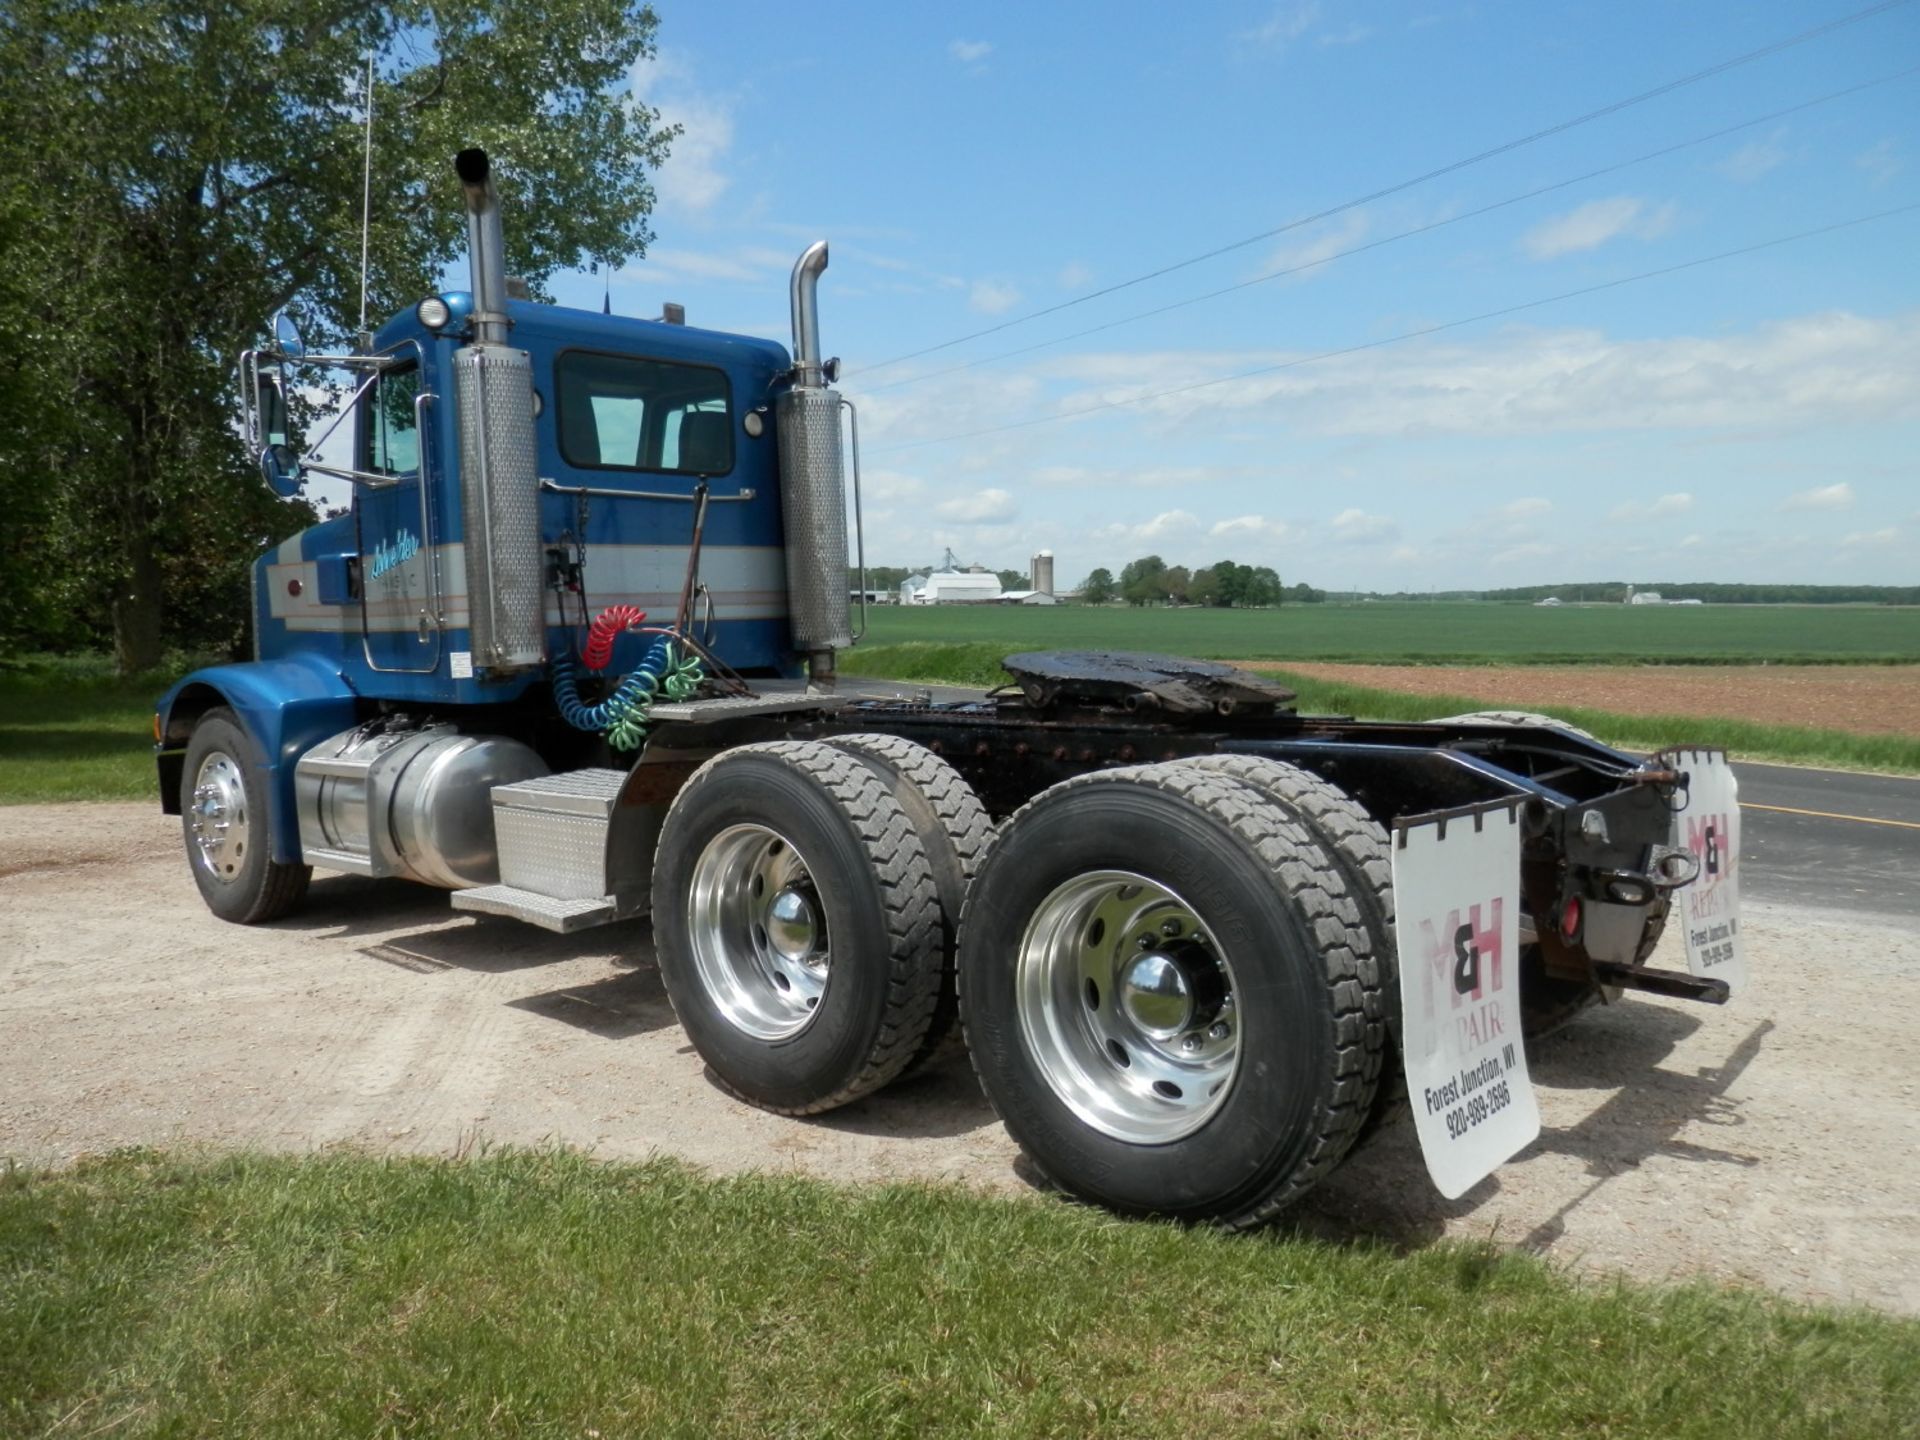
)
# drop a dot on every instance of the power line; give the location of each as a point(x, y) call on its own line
point(1405, 334)
point(1328, 259)
point(1511, 145)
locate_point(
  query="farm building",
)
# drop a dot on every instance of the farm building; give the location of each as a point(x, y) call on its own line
point(1028, 597)
point(954, 587)
point(910, 589)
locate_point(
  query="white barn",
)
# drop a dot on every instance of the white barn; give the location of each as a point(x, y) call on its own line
point(959, 587)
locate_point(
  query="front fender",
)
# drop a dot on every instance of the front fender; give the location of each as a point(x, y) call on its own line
point(285, 706)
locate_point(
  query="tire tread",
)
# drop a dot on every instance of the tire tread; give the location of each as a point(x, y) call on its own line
point(1307, 872)
point(892, 845)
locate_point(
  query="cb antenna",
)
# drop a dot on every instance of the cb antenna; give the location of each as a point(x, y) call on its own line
point(366, 200)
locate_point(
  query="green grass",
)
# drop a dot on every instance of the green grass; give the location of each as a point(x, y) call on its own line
point(978, 664)
point(543, 1294)
point(72, 730)
point(1434, 632)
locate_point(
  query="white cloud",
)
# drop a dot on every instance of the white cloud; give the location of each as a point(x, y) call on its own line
point(1357, 527)
point(1882, 162)
point(693, 177)
point(1167, 525)
point(1823, 497)
point(1522, 508)
point(1871, 538)
point(992, 297)
point(1594, 224)
point(1521, 554)
point(982, 507)
point(746, 264)
point(1665, 508)
point(1755, 159)
point(1813, 370)
point(1332, 240)
point(970, 52)
point(1287, 24)
point(1074, 274)
point(1352, 35)
point(1250, 527)
point(887, 485)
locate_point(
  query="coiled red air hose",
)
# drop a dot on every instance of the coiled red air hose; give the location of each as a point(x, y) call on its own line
point(605, 629)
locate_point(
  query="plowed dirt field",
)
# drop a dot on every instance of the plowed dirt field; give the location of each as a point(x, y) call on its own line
point(1861, 700)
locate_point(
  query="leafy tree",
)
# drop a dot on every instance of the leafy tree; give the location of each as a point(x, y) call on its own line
point(1204, 587)
point(1261, 587)
point(1098, 588)
point(173, 174)
point(1141, 582)
point(1012, 580)
point(1173, 584)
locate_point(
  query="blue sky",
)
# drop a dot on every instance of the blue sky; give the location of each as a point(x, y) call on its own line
point(1752, 419)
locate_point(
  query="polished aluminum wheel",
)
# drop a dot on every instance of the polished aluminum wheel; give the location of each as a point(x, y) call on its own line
point(758, 932)
point(217, 819)
point(1127, 1007)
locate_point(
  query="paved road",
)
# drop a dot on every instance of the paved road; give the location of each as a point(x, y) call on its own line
point(1826, 839)
point(1831, 839)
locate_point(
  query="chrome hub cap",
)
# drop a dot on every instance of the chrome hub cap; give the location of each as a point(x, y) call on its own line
point(758, 932)
point(791, 926)
point(1127, 1007)
point(217, 817)
point(1156, 996)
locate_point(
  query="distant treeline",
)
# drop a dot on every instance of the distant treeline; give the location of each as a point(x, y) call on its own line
point(1714, 594)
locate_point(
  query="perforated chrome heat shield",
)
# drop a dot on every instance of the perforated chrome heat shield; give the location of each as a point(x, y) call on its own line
point(500, 506)
point(813, 500)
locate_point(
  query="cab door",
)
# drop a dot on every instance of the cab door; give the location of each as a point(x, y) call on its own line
point(400, 619)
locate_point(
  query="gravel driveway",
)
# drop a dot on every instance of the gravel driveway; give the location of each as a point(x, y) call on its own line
point(1775, 1141)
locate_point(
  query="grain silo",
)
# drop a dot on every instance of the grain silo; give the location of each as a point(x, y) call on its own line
point(1041, 577)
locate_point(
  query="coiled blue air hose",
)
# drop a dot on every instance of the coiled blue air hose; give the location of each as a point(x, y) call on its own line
point(622, 716)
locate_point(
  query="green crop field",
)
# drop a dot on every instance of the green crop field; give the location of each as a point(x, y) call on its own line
point(1435, 632)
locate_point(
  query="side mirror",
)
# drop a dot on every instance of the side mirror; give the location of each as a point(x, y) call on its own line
point(271, 397)
point(279, 461)
point(286, 337)
point(280, 468)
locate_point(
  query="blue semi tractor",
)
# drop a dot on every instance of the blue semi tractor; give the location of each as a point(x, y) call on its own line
point(570, 656)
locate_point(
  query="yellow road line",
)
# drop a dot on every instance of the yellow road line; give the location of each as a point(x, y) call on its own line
point(1830, 815)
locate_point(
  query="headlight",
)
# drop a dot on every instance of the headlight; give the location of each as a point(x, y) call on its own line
point(432, 312)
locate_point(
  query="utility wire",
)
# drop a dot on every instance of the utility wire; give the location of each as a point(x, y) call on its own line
point(1328, 259)
point(1405, 334)
point(1511, 145)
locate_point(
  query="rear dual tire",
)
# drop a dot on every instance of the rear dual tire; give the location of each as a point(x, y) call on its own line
point(1217, 1086)
point(796, 925)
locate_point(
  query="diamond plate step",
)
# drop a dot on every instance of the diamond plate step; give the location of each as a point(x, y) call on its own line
point(562, 917)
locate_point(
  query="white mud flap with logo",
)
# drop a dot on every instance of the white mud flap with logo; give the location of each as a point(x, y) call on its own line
point(1456, 895)
point(1708, 828)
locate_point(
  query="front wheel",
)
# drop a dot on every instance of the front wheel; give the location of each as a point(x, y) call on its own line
point(1169, 995)
point(225, 817)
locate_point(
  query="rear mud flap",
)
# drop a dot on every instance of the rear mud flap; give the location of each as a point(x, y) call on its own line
point(1708, 906)
point(1456, 887)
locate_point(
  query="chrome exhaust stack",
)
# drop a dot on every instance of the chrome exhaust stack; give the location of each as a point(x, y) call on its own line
point(499, 482)
point(486, 247)
point(813, 488)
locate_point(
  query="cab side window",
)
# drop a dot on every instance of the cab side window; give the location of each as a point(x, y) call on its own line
point(621, 413)
point(389, 441)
